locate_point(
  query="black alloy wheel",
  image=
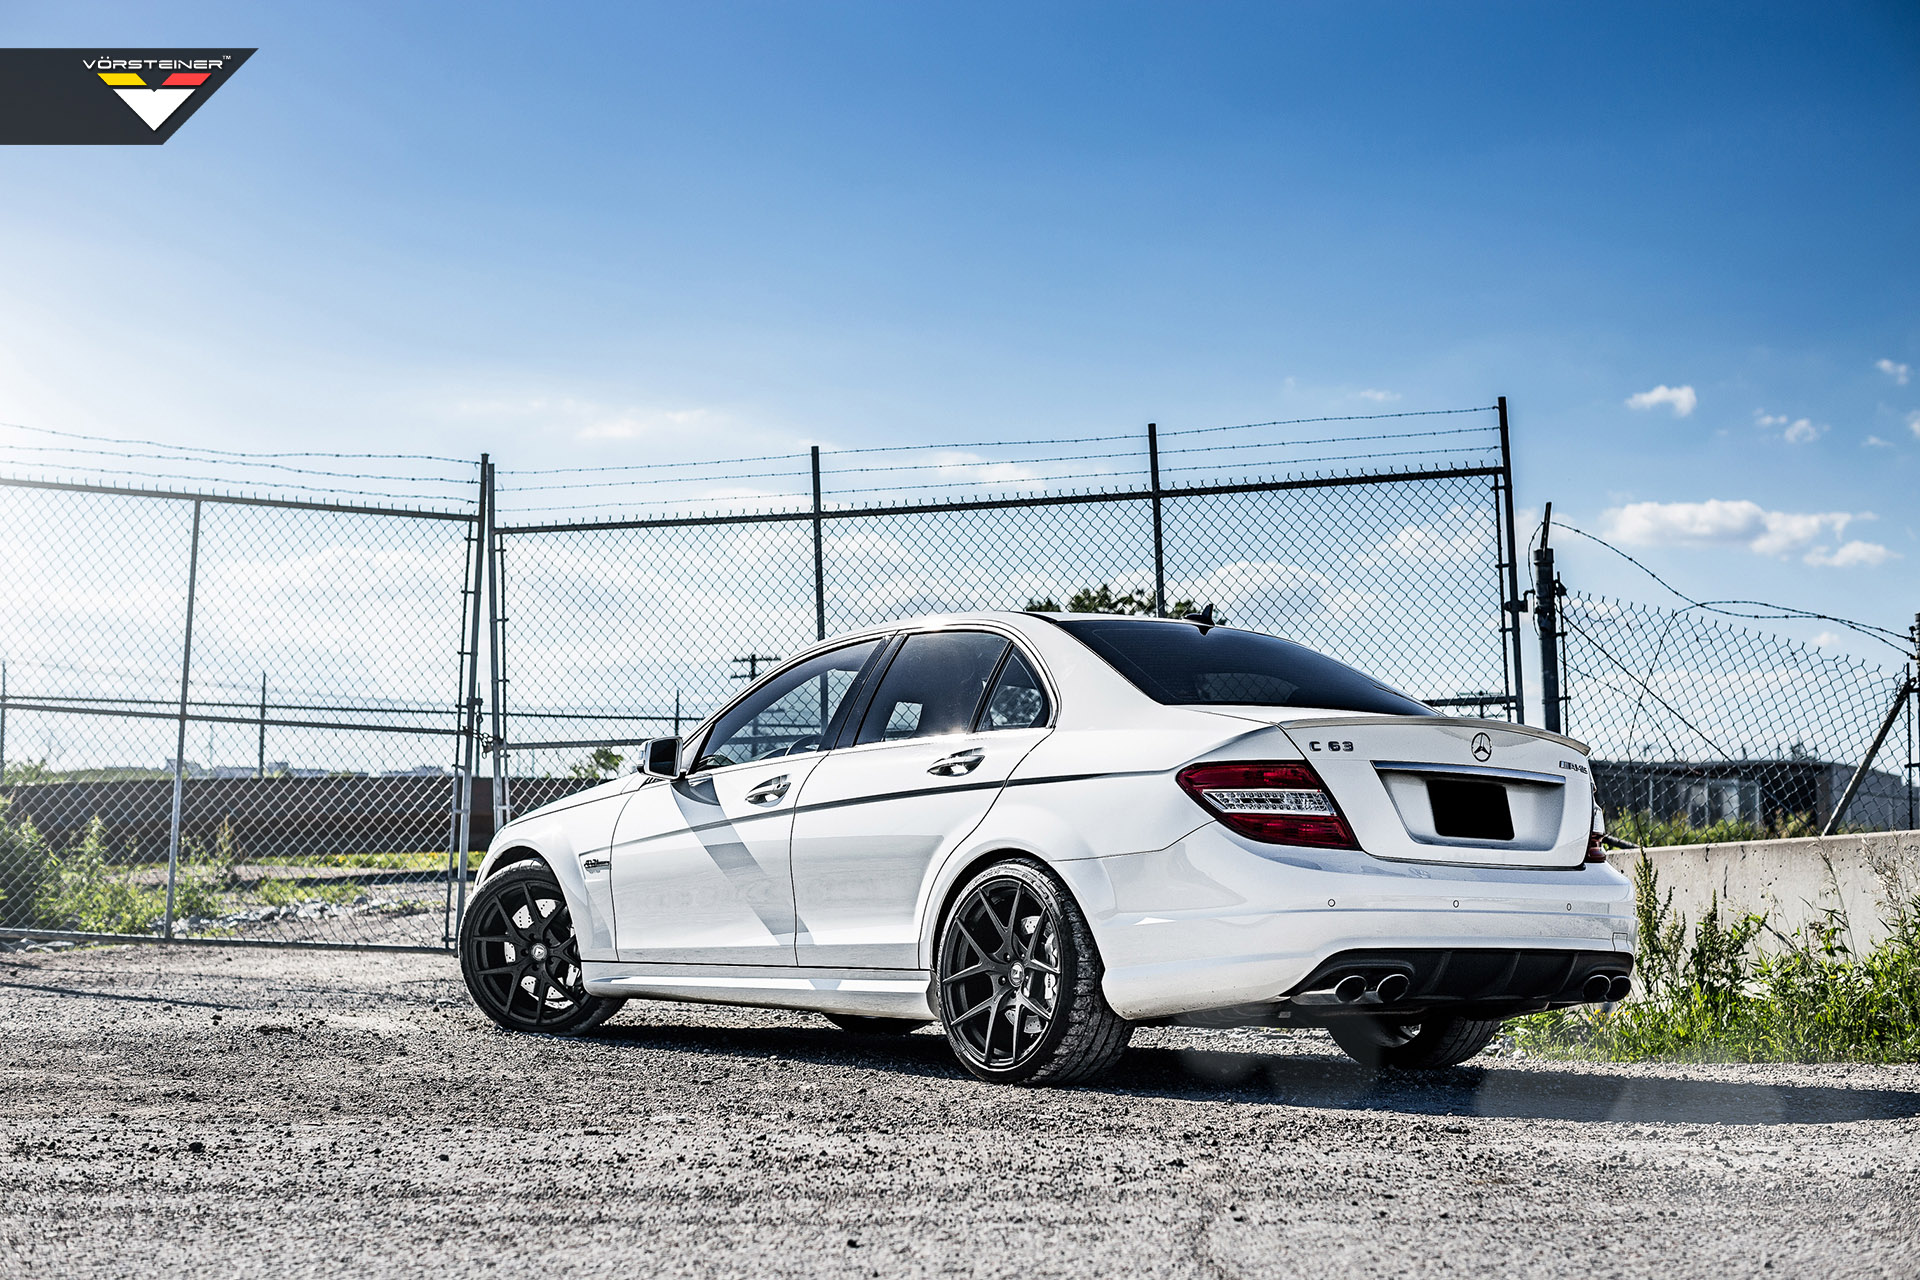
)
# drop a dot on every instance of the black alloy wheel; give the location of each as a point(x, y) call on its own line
point(521, 959)
point(1019, 981)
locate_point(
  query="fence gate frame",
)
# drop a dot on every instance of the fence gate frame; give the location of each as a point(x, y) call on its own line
point(466, 735)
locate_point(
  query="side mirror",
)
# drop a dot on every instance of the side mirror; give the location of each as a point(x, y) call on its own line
point(660, 758)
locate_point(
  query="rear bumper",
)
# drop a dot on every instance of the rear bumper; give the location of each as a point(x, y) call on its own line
point(1214, 920)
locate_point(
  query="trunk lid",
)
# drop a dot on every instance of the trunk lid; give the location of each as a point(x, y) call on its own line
point(1447, 790)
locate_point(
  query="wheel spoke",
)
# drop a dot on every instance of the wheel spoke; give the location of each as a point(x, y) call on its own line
point(975, 1011)
point(969, 972)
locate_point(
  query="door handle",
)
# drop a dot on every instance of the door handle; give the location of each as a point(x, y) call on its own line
point(958, 763)
point(769, 791)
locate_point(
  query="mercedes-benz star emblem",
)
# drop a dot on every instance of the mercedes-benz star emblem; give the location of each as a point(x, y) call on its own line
point(1482, 746)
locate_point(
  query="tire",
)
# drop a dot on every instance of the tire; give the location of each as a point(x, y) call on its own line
point(867, 1026)
point(527, 976)
point(1411, 1046)
point(1017, 981)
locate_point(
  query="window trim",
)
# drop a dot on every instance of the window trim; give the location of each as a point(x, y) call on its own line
point(986, 694)
point(851, 729)
point(862, 688)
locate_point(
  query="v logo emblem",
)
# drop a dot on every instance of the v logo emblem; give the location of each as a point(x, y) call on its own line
point(154, 105)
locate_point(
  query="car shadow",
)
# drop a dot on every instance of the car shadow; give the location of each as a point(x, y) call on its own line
point(1331, 1082)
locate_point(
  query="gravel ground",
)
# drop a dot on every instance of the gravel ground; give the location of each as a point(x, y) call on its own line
point(219, 1112)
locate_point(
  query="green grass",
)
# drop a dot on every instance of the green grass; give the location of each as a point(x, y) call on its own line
point(1710, 992)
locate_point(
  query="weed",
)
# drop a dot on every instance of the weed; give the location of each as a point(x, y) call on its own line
point(1711, 993)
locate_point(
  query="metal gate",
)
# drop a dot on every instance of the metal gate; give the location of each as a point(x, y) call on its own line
point(232, 719)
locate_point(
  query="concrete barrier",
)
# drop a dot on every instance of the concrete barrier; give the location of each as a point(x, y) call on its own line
point(1792, 881)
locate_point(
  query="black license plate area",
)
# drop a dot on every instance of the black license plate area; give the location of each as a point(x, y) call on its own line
point(1464, 810)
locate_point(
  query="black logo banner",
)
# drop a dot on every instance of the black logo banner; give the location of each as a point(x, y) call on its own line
point(106, 97)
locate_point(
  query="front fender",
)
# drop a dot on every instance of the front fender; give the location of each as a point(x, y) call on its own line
point(564, 838)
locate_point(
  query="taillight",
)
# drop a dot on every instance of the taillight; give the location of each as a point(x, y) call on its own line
point(1274, 803)
point(1596, 846)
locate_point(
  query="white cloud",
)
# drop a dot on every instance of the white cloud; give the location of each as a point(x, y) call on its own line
point(1913, 423)
point(1681, 399)
point(1826, 638)
point(1893, 369)
point(1722, 522)
point(1877, 443)
point(1792, 430)
point(1850, 554)
point(1379, 397)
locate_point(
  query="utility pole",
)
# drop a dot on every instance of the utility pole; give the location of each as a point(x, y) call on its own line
point(753, 661)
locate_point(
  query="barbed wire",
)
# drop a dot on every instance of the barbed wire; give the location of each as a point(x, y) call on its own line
point(400, 498)
point(1895, 640)
point(236, 453)
point(273, 466)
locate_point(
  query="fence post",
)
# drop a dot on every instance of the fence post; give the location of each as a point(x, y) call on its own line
point(819, 558)
point(1159, 544)
point(1511, 608)
point(260, 773)
point(470, 718)
point(3, 722)
point(1546, 615)
point(496, 655)
point(180, 737)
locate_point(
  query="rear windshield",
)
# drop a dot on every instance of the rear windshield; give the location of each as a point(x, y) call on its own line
point(1187, 665)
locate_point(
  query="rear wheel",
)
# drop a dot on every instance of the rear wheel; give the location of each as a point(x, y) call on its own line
point(1412, 1046)
point(868, 1026)
point(1018, 980)
point(520, 958)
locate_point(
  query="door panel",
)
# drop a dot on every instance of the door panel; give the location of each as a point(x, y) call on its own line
point(700, 866)
point(875, 821)
point(700, 863)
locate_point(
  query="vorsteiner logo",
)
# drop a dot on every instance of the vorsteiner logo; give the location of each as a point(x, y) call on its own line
point(83, 96)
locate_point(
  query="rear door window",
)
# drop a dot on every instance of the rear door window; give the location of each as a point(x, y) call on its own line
point(933, 686)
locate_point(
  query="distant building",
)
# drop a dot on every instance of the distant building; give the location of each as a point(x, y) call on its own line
point(1757, 791)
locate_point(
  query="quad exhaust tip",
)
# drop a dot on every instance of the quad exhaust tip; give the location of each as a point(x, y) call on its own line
point(1610, 988)
point(1392, 988)
point(1349, 988)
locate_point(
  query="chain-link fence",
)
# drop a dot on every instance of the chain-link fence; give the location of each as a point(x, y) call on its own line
point(616, 631)
point(226, 718)
point(259, 719)
point(1702, 729)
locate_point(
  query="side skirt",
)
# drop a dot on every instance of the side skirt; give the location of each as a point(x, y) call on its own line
point(877, 993)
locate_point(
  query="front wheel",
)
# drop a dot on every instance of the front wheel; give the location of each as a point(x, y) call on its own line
point(520, 958)
point(1411, 1046)
point(1019, 982)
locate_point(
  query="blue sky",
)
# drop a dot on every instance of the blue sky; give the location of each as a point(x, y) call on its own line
point(609, 233)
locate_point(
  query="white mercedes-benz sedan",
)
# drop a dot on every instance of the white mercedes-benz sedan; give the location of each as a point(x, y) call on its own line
point(1039, 830)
